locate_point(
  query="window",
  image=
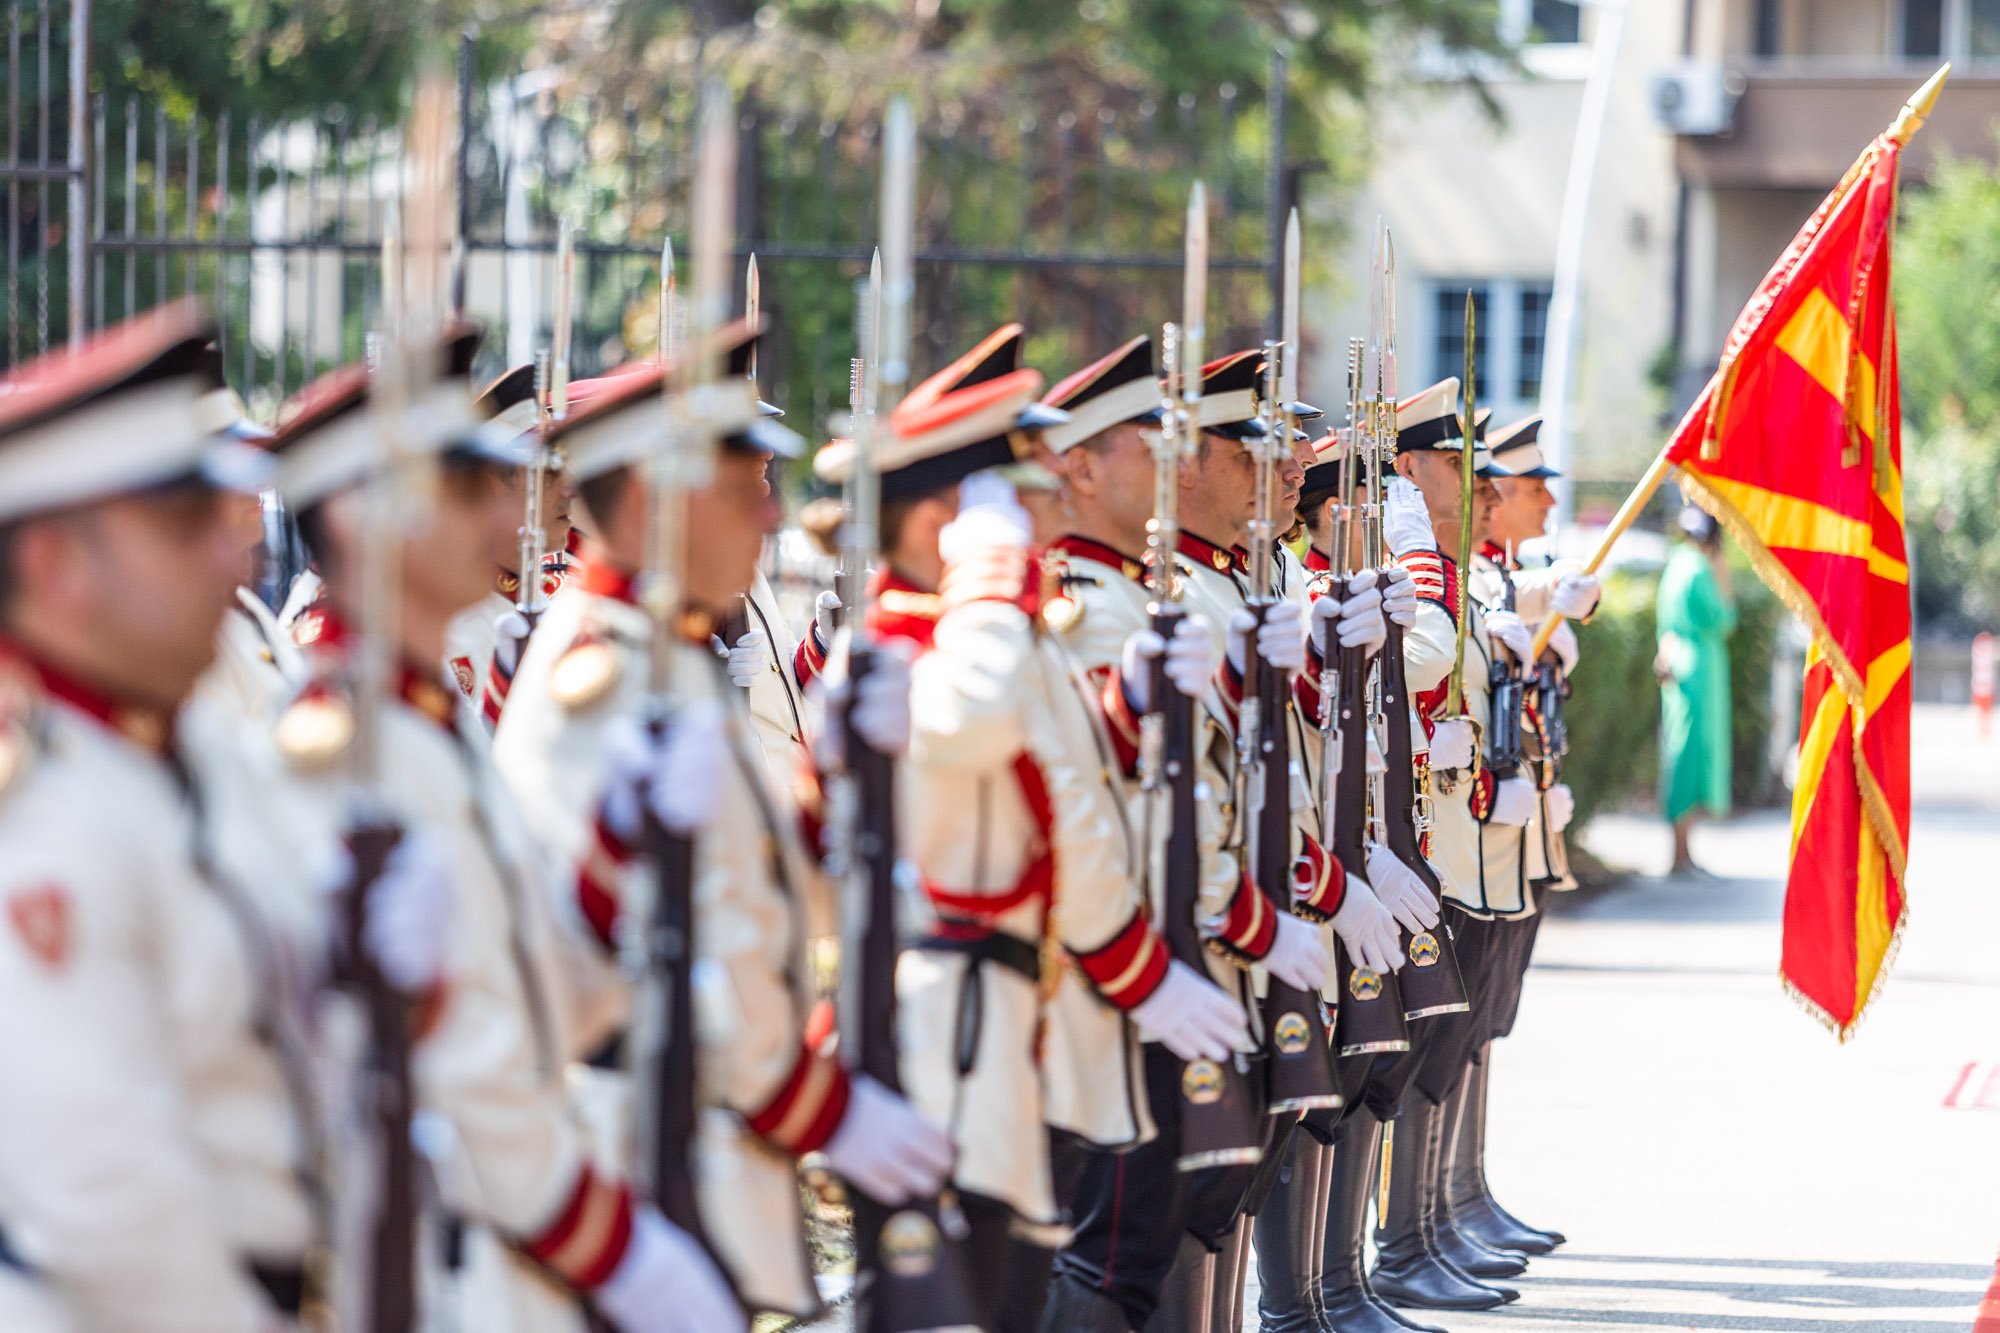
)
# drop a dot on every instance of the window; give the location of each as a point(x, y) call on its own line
point(1531, 335)
point(1923, 28)
point(1985, 35)
point(1448, 304)
point(1555, 22)
point(1510, 339)
point(1769, 36)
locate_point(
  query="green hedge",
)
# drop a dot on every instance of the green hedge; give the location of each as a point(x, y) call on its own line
point(1614, 711)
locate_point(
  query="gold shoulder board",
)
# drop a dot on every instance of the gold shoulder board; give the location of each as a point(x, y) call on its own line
point(315, 729)
point(586, 672)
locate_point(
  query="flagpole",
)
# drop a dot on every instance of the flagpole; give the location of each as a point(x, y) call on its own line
point(1908, 122)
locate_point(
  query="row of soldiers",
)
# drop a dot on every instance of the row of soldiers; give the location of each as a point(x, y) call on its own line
point(178, 850)
point(448, 938)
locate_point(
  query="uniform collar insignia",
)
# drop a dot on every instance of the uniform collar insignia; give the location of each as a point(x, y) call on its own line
point(1221, 559)
point(145, 725)
point(1084, 547)
point(422, 688)
point(604, 579)
point(902, 610)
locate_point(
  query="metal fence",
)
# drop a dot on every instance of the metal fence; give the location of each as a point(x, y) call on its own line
point(1070, 221)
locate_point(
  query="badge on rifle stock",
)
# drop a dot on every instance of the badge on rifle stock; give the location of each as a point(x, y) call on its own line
point(1291, 1034)
point(910, 1244)
point(1364, 985)
point(1201, 1082)
point(1424, 951)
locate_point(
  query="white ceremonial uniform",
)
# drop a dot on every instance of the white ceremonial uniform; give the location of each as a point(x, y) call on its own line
point(778, 697)
point(492, 1063)
point(157, 1152)
point(1017, 823)
point(769, 1097)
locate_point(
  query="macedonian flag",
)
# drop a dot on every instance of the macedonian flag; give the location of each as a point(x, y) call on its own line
point(1796, 448)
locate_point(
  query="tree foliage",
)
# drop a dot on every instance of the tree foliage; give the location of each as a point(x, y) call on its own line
point(1948, 326)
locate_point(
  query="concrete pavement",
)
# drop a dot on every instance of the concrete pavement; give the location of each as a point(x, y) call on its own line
point(1717, 1159)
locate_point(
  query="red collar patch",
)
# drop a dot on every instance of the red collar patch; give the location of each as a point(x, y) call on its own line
point(1087, 549)
point(1221, 559)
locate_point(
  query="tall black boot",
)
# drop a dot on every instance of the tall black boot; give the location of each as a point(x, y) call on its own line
point(1346, 1303)
point(1074, 1308)
point(1187, 1295)
point(1407, 1272)
point(1288, 1255)
point(1436, 1162)
point(1457, 1243)
point(1232, 1268)
point(1474, 1208)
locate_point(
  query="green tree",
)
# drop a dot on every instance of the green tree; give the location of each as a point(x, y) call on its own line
point(1948, 326)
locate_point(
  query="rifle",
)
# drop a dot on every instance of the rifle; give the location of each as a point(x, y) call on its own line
point(736, 623)
point(666, 1066)
point(1432, 984)
point(1300, 1074)
point(412, 294)
point(1507, 692)
point(1454, 703)
point(1219, 1121)
point(1370, 1018)
point(861, 394)
point(552, 394)
point(892, 1294)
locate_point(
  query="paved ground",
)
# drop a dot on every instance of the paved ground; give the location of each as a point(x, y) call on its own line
point(1718, 1160)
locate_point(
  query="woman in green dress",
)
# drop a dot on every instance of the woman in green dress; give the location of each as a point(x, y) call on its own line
point(1695, 615)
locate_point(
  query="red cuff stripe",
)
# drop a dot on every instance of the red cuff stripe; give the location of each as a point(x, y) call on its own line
point(1319, 882)
point(590, 1234)
point(810, 659)
point(597, 882)
point(807, 1108)
point(1249, 927)
point(1128, 969)
point(1119, 719)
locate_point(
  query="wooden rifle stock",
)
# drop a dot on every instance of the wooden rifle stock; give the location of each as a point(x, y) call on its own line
point(388, 1098)
point(671, 1133)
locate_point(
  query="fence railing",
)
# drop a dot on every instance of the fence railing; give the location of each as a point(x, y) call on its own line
point(1068, 214)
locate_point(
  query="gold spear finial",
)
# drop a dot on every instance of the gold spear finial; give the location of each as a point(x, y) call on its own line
point(1918, 109)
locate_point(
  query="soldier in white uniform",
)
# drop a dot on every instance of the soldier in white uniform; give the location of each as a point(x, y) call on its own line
point(1500, 581)
point(566, 749)
point(1472, 808)
point(483, 642)
point(1145, 1231)
point(155, 1169)
point(554, 1235)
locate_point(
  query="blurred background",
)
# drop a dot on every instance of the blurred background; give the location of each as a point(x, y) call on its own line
point(242, 150)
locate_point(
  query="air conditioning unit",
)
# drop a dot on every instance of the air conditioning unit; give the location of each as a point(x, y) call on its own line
point(1696, 99)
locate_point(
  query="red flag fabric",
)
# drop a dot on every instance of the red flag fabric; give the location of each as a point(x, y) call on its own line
point(1796, 448)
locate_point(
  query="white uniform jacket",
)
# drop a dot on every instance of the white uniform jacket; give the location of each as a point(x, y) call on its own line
point(770, 1096)
point(151, 1147)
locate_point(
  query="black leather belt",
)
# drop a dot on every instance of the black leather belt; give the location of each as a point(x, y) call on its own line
point(992, 947)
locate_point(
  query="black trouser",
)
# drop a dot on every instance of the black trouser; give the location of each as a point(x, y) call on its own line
point(1450, 1045)
point(1520, 933)
point(1131, 1208)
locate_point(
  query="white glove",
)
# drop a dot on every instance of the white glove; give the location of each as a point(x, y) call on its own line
point(1452, 744)
point(1356, 621)
point(1399, 596)
point(1298, 954)
point(989, 515)
point(1367, 929)
point(824, 607)
point(1563, 641)
point(1281, 638)
point(1513, 801)
point(1504, 627)
point(1406, 519)
point(885, 1149)
point(749, 659)
point(510, 635)
point(1560, 802)
point(1575, 595)
point(674, 773)
point(881, 707)
point(1401, 890)
point(666, 1283)
point(409, 908)
point(1192, 1016)
point(1192, 661)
